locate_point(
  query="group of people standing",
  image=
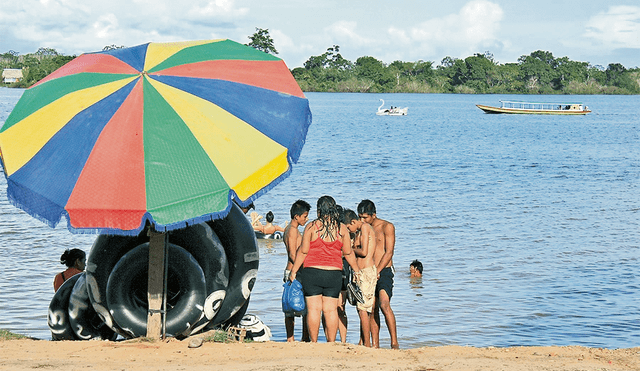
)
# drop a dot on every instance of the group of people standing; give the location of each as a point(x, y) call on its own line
point(337, 242)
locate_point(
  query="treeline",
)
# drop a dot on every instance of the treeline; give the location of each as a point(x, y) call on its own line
point(537, 73)
point(35, 66)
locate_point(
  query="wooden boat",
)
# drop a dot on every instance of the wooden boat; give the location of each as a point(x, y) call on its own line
point(537, 108)
point(393, 111)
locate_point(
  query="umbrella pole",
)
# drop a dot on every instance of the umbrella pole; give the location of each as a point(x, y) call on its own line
point(157, 285)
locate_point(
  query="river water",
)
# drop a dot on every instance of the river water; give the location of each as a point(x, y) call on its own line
point(528, 227)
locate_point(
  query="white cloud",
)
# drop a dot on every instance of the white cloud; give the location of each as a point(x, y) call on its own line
point(75, 26)
point(346, 32)
point(473, 28)
point(619, 27)
point(218, 8)
point(105, 26)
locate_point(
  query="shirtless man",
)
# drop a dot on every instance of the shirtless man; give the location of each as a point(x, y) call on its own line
point(385, 243)
point(270, 228)
point(364, 248)
point(292, 241)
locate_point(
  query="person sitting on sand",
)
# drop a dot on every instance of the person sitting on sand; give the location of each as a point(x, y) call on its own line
point(75, 260)
point(271, 228)
point(415, 268)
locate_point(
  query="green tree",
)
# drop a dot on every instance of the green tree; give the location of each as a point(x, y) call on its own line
point(329, 59)
point(508, 79)
point(10, 60)
point(538, 71)
point(46, 52)
point(112, 47)
point(568, 70)
point(597, 74)
point(372, 69)
point(262, 41)
point(38, 66)
point(480, 72)
point(421, 70)
point(617, 76)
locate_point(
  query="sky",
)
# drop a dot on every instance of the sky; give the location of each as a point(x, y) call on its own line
point(594, 31)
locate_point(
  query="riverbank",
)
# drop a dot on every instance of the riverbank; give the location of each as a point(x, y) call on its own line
point(138, 355)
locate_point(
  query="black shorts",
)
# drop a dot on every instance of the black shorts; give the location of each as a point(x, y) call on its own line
point(322, 282)
point(385, 282)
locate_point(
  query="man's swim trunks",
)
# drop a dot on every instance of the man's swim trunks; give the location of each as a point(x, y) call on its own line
point(385, 282)
point(367, 279)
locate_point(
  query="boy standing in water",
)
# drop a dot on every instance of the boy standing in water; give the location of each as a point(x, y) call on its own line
point(364, 248)
point(385, 243)
point(292, 241)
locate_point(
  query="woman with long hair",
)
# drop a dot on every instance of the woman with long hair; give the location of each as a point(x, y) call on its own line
point(75, 260)
point(324, 242)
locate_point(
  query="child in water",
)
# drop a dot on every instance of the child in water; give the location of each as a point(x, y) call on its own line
point(415, 268)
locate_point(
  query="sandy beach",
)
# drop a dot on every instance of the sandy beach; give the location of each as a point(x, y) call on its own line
point(172, 354)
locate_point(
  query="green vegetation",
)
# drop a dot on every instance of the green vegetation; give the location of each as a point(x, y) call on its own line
point(35, 66)
point(262, 41)
point(219, 336)
point(537, 73)
point(8, 335)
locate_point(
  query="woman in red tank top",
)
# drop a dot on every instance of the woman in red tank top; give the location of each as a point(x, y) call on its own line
point(75, 260)
point(324, 242)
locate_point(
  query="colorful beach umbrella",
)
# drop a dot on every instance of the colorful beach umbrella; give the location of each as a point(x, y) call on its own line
point(168, 133)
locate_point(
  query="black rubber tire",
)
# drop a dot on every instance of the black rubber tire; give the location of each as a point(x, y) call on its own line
point(274, 236)
point(236, 318)
point(199, 240)
point(85, 322)
point(104, 254)
point(206, 248)
point(127, 291)
point(58, 318)
point(240, 244)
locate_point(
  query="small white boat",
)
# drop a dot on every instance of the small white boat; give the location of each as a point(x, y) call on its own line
point(393, 111)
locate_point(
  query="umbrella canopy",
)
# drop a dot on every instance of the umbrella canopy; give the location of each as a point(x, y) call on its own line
point(168, 133)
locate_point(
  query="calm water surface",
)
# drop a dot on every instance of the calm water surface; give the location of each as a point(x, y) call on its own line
point(528, 226)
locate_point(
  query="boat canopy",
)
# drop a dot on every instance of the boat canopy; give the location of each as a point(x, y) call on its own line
point(542, 106)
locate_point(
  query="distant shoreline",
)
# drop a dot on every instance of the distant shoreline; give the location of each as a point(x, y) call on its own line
point(410, 92)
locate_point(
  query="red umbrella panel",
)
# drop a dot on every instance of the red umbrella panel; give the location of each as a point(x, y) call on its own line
point(165, 133)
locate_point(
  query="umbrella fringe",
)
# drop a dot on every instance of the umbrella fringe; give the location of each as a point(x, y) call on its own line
point(149, 219)
point(223, 213)
point(13, 201)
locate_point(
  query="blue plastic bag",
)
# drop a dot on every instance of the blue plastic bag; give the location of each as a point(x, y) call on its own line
point(293, 298)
